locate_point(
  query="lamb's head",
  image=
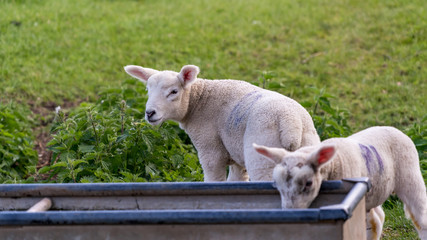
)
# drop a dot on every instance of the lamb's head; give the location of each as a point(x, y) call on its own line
point(168, 91)
point(297, 174)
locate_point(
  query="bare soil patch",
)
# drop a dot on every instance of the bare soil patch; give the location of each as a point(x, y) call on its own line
point(45, 112)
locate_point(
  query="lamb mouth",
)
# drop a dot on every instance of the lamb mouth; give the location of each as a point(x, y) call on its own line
point(155, 122)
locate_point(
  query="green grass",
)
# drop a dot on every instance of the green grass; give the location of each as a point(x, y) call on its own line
point(396, 225)
point(372, 55)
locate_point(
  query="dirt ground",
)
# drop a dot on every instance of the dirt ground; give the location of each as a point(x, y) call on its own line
point(45, 113)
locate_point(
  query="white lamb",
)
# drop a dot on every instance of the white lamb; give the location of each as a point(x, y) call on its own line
point(224, 117)
point(384, 154)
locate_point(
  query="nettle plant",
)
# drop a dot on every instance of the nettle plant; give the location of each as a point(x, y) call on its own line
point(17, 155)
point(329, 121)
point(110, 142)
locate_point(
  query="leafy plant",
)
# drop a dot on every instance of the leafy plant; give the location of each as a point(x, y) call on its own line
point(329, 121)
point(16, 143)
point(266, 78)
point(109, 142)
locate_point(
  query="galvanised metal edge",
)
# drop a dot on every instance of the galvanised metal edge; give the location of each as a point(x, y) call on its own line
point(341, 211)
point(141, 189)
point(354, 196)
point(159, 217)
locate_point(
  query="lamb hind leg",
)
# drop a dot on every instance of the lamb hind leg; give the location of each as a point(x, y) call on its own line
point(259, 169)
point(413, 194)
point(415, 206)
point(237, 173)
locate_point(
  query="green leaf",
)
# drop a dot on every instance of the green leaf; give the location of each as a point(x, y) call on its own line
point(83, 148)
point(420, 142)
point(59, 164)
point(44, 169)
point(77, 162)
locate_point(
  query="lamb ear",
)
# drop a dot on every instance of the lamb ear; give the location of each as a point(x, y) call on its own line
point(188, 74)
point(140, 73)
point(323, 155)
point(274, 155)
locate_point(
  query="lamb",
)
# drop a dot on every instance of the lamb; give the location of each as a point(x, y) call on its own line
point(223, 118)
point(384, 154)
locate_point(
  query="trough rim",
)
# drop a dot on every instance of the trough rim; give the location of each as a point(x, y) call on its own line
point(339, 212)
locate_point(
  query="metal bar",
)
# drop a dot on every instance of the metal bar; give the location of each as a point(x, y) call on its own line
point(159, 217)
point(357, 192)
point(146, 189)
point(135, 189)
point(336, 212)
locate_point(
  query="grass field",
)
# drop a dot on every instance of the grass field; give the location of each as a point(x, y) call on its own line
point(371, 55)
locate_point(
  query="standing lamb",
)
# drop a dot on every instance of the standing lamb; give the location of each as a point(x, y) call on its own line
point(384, 154)
point(224, 117)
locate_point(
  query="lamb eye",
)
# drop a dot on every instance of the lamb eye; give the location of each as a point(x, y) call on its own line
point(173, 92)
point(307, 186)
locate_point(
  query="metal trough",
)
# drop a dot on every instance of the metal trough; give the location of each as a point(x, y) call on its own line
point(223, 210)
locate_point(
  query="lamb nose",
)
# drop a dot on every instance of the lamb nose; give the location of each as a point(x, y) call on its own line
point(150, 113)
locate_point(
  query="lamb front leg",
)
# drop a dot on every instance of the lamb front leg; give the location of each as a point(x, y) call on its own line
point(374, 223)
point(214, 165)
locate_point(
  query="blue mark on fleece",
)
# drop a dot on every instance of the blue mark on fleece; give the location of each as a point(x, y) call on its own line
point(242, 109)
point(369, 153)
point(380, 161)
